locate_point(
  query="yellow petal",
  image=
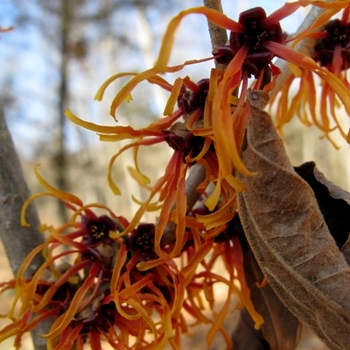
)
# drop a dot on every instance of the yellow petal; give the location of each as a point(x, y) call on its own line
point(173, 97)
point(102, 89)
point(64, 196)
point(295, 70)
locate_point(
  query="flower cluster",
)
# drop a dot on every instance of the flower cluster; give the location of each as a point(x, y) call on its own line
point(130, 283)
point(99, 285)
point(330, 50)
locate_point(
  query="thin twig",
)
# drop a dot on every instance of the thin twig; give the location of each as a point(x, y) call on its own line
point(196, 177)
point(218, 36)
point(305, 46)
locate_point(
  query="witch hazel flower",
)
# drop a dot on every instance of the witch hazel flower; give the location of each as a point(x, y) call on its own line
point(88, 285)
point(330, 53)
point(254, 41)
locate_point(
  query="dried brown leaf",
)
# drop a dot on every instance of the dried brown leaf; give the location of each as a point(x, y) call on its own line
point(289, 238)
point(333, 201)
point(335, 191)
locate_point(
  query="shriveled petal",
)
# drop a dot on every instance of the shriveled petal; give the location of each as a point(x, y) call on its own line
point(63, 321)
point(245, 291)
point(335, 5)
point(286, 10)
point(116, 133)
point(111, 182)
point(219, 320)
point(169, 107)
point(189, 270)
point(168, 39)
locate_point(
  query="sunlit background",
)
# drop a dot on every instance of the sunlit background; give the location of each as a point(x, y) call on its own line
point(60, 52)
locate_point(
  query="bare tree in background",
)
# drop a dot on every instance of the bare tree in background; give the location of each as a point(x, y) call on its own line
point(68, 32)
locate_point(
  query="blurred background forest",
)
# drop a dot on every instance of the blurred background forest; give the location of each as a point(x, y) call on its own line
point(57, 56)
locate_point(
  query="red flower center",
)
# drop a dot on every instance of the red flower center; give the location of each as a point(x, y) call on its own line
point(255, 35)
point(98, 230)
point(257, 32)
point(338, 35)
point(141, 241)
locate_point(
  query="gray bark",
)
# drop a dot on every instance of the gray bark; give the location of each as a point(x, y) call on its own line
point(18, 241)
